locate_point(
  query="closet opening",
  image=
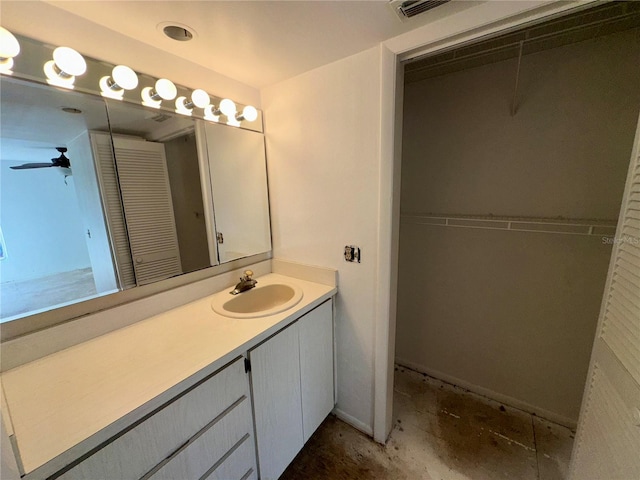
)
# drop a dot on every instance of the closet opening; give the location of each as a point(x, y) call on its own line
point(515, 151)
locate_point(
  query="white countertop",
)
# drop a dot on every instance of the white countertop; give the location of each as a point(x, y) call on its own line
point(79, 397)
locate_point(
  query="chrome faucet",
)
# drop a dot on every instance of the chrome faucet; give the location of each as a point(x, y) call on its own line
point(246, 283)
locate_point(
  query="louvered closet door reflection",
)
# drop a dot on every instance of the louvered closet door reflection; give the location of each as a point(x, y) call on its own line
point(608, 439)
point(146, 196)
point(112, 207)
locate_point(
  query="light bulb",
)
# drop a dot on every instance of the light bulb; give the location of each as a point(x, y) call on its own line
point(163, 90)
point(54, 78)
point(209, 114)
point(66, 64)
point(182, 107)
point(166, 89)
point(228, 108)
point(9, 48)
point(200, 98)
point(124, 77)
point(69, 62)
point(249, 114)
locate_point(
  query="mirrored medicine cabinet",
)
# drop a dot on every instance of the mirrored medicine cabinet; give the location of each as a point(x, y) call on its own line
point(149, 195)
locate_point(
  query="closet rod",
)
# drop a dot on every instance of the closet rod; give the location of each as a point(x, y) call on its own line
point(599, 228)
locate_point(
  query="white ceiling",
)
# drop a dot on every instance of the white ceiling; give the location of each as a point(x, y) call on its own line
point(255, 42)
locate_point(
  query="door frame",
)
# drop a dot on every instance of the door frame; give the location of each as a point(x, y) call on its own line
point(469, 24)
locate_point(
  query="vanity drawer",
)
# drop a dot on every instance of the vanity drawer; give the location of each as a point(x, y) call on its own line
point(239, 465)
point(212, 448)
point(138, 450)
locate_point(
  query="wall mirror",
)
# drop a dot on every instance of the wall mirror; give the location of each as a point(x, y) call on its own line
point(149, 195)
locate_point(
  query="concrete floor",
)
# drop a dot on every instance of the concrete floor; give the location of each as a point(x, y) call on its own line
point(440, 432)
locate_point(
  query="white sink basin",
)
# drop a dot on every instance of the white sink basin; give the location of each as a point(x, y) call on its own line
point(260, 301)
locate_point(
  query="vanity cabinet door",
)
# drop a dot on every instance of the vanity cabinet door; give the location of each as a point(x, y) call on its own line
point(316, 367)
point(293, 388)
point(275, 378)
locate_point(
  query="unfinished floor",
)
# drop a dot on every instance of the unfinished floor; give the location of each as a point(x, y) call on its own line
point(440, 432)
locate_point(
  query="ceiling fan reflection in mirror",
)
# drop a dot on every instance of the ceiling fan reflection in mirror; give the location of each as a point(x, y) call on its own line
point(61, 162)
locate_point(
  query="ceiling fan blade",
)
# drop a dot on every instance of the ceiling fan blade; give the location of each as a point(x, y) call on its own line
point(25, 166)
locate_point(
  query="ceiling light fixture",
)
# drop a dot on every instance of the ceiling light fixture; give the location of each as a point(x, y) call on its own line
point(249, 113)
point(9, 48)
point(72, 110)
point(122, 78)
point(66, 65)
point(181, 33)
point(163, 90)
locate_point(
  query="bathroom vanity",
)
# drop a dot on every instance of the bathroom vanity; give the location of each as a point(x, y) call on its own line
point(189, 393)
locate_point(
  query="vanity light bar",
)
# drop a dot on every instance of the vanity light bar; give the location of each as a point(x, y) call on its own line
point(66, 64)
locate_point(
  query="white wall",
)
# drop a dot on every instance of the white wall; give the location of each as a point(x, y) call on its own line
point(41, 223)
point(514, 313)
point(323, 133)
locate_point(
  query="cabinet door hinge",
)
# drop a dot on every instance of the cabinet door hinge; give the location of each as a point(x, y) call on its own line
point(247, 365)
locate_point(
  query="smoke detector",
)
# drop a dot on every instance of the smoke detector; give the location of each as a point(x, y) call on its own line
point(405, 9)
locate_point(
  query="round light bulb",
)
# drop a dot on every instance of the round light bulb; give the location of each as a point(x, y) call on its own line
point(124, 77)
point(108, 88)
point(166, 89)
point(9, 46)
point(249, 113)
point(228, 108)
point(145, 94)
point(209, 113)
point(54, 78)
point(6, 64)
point(181, 106)
point(69, 61)
point(200, 98)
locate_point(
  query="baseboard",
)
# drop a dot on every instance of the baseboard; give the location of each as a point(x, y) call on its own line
point(354, 422)
point(485, 392)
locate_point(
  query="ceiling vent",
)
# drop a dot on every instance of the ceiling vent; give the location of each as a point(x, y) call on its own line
point(160, 117)
point(405, 9)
